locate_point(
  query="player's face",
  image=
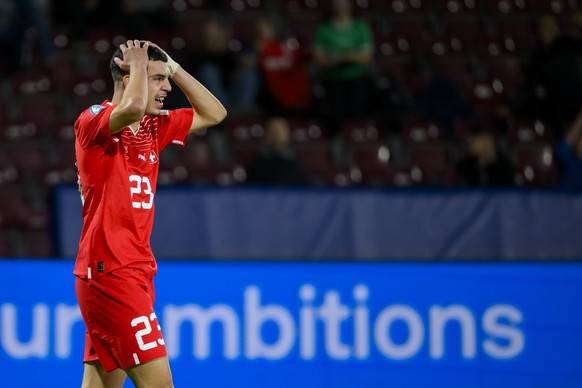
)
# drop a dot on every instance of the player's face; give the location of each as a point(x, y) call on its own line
point(158, 86)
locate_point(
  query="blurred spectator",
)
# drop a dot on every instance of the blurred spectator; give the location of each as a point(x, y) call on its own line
point(552, 89)
point(84, 15)
point(343, 49)
point(145, 16)
point(441, 101)
point(484, 165)
point(569, 156)
point(23, 26)
point(275, 164)
point(285, 84)
point(230, 75)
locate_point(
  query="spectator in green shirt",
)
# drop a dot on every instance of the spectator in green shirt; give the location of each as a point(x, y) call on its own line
point(343, 50)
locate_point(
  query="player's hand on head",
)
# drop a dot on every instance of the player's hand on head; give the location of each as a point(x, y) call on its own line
point(172, 64)
point(134, 53)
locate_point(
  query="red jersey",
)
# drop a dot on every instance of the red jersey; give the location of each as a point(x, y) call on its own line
point(117, 180)
point(285, 75)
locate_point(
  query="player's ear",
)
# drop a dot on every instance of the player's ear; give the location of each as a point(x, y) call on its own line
point(125, 80)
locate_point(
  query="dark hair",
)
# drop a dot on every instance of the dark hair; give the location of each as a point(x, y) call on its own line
point(154, 54)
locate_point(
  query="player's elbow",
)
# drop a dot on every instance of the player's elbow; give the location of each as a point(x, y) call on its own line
point(135, 109)
point(216, 116)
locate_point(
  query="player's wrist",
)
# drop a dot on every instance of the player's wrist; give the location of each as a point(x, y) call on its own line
point(172, 65)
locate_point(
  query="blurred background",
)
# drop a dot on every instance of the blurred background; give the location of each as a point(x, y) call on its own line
point(393, 200)
point(436, 94)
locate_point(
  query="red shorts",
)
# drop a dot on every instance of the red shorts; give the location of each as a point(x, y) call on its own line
point(122, 328)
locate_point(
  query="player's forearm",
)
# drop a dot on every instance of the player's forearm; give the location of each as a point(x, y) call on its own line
point(134, 99)
point(207, 107)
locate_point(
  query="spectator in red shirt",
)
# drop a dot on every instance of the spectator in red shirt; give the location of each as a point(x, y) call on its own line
point(285, 83)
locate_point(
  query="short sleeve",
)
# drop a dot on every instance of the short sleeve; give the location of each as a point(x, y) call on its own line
point(92, 126)
point(174, 127)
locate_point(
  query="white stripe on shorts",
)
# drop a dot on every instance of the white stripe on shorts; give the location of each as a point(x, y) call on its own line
point(136, 358)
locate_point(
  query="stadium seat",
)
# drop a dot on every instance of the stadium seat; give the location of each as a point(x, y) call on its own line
point(534, 165)
point(6, 244)
point(43, 113)
point(34, 85)
point(357, 132)
point(460, 6)
point(434, 162)
point(507, 69)
point(243, 154)
point(26, 155)
point(244, 131)
point(196, 155)
point(470, 29)
point(528, 131)
point(314, 156)
point(509, 7)
point(38, 243)
point(421, 131)
point(243, 5)
point(303, 7)
point(487, 96)
point(302, 28)
point(15, 210)
point(337, 176)
point(520, 30)
point(400, 6)
point(307, 131)
point(415, 29)
point(371, 159)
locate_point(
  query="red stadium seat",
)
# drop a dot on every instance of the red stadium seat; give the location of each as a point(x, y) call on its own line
point(534, 165)
point(413, 28)
point(243, 154)
point(196, 155)
point(421, 131)
point(314, 156)
point(362, 132)
point(15, 210)
point(400, 6)
point(307, 131)
point(302, 6)
point(520, 30)
point(27, 155)
point(487, 96)
point(244, 131)
point(470, 29)
point(372, 159)
point(302, 28)
point(243, 5)
point(460, 6)
point(434, 162)
point(335, 176)
point(6, 244)
point(38, 243)
point(528, 131)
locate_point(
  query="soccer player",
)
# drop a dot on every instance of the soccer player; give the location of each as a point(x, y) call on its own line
point(117, 146)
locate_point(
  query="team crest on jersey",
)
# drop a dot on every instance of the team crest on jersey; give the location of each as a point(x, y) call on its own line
point(153, 157)
point(96, 109)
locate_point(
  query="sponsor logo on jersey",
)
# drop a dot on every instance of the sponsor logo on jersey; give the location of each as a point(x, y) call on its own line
point(96, 109)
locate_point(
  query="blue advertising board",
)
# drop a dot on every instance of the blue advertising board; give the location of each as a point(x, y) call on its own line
point(283, 324)
point(254, 223)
